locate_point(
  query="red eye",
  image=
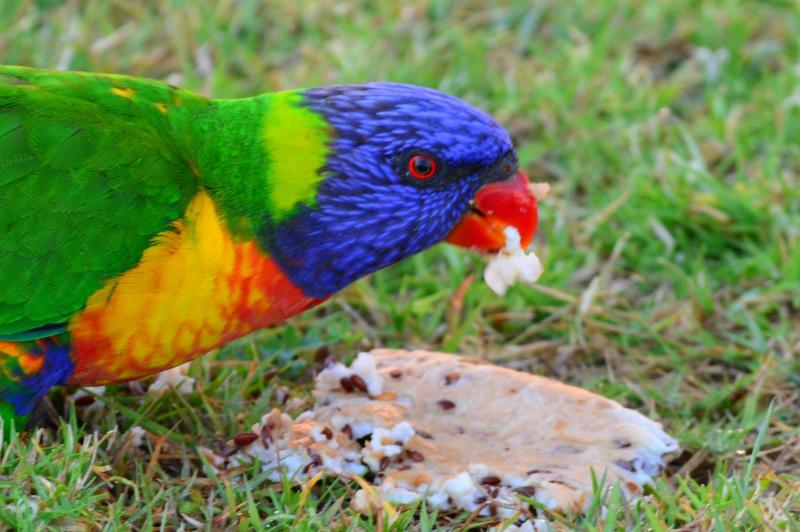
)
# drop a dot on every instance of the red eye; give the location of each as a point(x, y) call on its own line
point(422, 166)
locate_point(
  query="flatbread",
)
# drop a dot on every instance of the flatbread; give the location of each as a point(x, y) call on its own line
point(460, 432)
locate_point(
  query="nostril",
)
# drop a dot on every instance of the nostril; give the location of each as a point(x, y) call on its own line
point(476, 211)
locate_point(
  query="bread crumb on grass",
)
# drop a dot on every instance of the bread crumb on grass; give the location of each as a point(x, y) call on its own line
point(177, 378)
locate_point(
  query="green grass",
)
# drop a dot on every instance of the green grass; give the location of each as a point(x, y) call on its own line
point(671, 244)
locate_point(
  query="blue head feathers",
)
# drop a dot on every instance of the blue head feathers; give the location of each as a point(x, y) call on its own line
point(404, 164)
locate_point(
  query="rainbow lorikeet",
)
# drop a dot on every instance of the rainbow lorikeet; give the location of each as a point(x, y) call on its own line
point(142, 225)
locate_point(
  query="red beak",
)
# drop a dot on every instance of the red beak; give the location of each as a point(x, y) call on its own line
point(495, 207)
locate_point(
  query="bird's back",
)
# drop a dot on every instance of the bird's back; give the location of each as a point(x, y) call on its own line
point(92, 168)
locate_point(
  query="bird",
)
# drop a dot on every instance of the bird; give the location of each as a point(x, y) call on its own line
point(143, 225)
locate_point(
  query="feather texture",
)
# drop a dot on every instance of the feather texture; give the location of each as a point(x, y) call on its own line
point(197, 288)
point(87, 179)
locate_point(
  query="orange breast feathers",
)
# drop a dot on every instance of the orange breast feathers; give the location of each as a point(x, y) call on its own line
point(194, 290)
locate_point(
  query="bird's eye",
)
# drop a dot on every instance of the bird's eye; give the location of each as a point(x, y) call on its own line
point(422, 166)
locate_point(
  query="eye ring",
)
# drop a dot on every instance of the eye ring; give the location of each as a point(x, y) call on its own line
point(421, 166)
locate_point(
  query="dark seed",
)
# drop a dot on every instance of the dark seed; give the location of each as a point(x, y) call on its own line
point(346, 384)
point(622, 444)
point(416, 456)
point(316, 459)
point(403, 467)
point(347, 431)
point(269, 374)
point(450, 378)
point(491, 480)
point(535, 471)
point(494, 491)
point(322, 354)
point(385, 461)
point(446, 404)
point(396, 373)
point(527, 491)
point(480, 500)
point(358, 383)
point(266, 435)
point(243, 439)
point(309, 467)
point(627, 465)
point(423, 434)
point(328, 433)
point(86, 400)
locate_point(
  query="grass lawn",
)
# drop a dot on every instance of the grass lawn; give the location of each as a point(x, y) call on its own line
point(671, 134)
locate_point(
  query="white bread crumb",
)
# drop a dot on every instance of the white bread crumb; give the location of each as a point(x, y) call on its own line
point(539, 190)
point(177, 378)
point(512, 265)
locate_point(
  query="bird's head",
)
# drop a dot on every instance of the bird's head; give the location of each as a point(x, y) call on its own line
point(401, 168)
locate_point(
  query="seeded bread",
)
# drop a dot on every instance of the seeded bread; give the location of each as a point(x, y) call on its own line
point(462, 433)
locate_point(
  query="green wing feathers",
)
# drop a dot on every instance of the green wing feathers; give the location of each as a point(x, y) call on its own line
point(91, 168)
